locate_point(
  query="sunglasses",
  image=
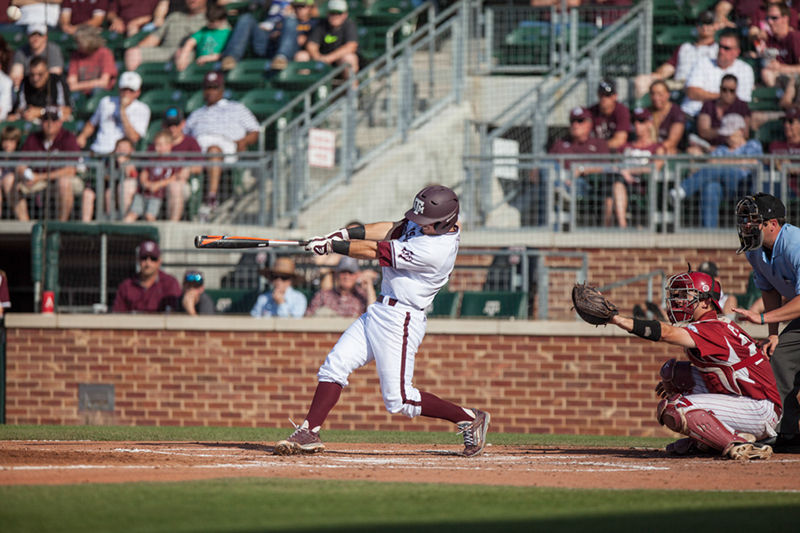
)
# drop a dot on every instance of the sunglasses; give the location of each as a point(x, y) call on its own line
point(51, 117)
point(574, 120)
point(641, 119)
point(284, 277)
point(150, 257)
point(727, 90)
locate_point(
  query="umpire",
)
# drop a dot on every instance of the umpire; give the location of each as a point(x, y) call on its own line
point(773, 249)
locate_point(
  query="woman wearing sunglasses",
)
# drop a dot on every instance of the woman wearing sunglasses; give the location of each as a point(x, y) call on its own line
point(194, 299)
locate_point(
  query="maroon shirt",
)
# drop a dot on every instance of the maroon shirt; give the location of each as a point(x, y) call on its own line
point(163, 295)
point(3, 15)
point(93, 66)
point(591, 146)
point(128, 10)
point(605, 126)
point(674, 115)
point(188, 144)
point(787, 148)
point(709, 108)
point(788, 47)
point(65, 141)
point(83, 10)
point(5, 301)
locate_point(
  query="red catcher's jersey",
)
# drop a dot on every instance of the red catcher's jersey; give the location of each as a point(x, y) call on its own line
point(730, 361)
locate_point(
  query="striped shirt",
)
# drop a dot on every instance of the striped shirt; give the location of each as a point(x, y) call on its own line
point(109, 124)
point(229, 119)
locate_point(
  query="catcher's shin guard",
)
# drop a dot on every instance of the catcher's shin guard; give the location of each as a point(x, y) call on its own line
point(699, 424)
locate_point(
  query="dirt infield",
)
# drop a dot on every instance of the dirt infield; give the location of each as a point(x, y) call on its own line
point(66, 462)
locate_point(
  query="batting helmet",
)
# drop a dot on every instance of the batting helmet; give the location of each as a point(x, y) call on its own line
point(436, 205)
point(686, 290)
point(751, 212)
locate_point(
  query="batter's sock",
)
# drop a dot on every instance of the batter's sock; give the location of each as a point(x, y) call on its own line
point(325, 398)
point(435, 407)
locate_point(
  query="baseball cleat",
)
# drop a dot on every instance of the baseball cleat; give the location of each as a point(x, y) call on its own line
point(303, 440)
point(475, 433)
point(748, 451)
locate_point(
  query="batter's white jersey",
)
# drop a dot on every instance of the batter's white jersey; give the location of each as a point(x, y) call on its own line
point(415, 267)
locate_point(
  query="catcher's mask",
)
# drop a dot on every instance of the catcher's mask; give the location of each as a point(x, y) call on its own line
point(751, 213)
point(686, 290)
point(436, 205)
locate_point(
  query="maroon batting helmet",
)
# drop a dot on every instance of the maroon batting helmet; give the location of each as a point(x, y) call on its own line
point(686, 290)
point(436, 205)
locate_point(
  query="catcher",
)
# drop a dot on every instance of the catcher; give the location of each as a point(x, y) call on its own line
point(724, 397)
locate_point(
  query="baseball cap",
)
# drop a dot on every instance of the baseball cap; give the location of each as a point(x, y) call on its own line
point(337, 5)
point(769, 207)
point(710, 268)
point(37, 27)
point(149, 249)
point(213, 79)
point(130, 80)
point(792, 113)
point(706, 17)
point(193, 276)
point(607, 87)
point(579, 113)
point(347, 264)
point(642, 114)
point(173, 116)
point(730, 123)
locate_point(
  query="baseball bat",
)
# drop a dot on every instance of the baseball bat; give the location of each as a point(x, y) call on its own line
point(232, 241)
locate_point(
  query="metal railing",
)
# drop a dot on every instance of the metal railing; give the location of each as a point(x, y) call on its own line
point(576, 192)
point(365, 113)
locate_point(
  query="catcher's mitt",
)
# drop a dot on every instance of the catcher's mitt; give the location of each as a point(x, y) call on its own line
point(592, 306)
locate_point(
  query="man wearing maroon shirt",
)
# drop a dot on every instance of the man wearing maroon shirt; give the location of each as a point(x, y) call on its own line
point(784, 44)
point(790, 146)
point(77, 12)
point(581, 142)
point(709, 119)
point(612, 120)
point(151, 290)
point(30, 180)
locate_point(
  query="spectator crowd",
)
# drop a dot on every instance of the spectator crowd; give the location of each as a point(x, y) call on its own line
point(64, 62)
point(698, 103)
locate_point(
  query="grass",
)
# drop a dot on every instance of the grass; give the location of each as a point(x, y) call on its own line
point(123, 433)
point(259, 504)
point(243, 505)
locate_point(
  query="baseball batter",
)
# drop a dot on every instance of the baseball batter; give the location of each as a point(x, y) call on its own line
point(417, 255)
point(724, 397)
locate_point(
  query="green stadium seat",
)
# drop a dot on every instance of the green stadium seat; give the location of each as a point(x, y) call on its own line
point(493, 304)
point(14, 36)
point(247, 74)
point(152, 129)
point(133, 40)
point(385, 12)
point(86, 109)
point(765, 99)
point(445, 304)
point(751, 294)
point(115, 42)
point(265, 102)
point(195, 199)
point(770, 131)
point(192, 77)
point(372, 41)
point(64, 41)
point(155, 75)
point(160, 99)
point(300, 75)
point(233, 301)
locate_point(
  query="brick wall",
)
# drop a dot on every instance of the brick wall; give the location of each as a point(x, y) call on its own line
point(530, 383)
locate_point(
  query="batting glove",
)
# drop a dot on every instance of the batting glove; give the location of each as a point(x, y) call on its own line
point(320, 245)
point(340, 234)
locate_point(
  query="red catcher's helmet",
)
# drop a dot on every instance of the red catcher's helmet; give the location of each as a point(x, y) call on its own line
point(436, 205)
point(686, 290)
